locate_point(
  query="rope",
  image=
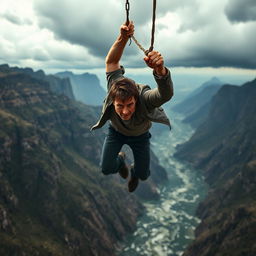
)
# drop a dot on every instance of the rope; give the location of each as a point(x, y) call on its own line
point(139, 45)
point(153, 27)
point(127, 8)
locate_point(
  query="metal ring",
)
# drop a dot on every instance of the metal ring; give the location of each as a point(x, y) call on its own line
point(127, 6)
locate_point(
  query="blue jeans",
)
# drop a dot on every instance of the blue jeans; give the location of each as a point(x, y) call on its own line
point(140, 146)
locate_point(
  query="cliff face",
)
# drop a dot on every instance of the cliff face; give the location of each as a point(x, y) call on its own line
point(53, 199)
point(224, 147)
point(86, 87)
point(57, 85)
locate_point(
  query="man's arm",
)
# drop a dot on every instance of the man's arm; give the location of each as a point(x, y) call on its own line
point(116, 51)
point(164, 90)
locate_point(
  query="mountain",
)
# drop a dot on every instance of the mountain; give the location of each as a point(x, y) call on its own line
point(198, 98)
point(57, 85)
point(214, 81)
point(198, 117)
point(224, 148)
point(53, 198)
point(86, 87)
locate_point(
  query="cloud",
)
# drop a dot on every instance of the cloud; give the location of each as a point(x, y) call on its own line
point(96, 25)
point(28, 46)
point(92, 25)
point(78, 34)
point(241, 11)
point(208, 39)
point(11, 17)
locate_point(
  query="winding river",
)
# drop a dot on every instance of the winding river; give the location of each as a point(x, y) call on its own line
point(168, 225)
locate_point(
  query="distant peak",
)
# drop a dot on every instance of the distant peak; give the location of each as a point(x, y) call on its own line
point(65, 73)
point(215, 79)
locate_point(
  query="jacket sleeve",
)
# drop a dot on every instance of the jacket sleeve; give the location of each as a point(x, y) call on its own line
point(114, 75)
point(160, 95)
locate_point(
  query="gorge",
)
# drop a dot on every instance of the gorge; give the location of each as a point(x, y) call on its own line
point(54, 201)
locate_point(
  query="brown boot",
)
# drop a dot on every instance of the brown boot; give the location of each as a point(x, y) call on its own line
point(123, 171)
point(133, 182)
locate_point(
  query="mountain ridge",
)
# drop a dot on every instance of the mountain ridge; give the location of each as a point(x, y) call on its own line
point(224, 148)
point(57, 85)
point(194, 105)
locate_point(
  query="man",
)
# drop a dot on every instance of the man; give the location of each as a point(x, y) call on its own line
point(131, 108)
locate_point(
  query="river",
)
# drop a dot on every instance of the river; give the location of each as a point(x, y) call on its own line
point(168, 225)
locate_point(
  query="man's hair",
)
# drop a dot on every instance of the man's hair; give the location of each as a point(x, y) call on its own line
point(123, 89)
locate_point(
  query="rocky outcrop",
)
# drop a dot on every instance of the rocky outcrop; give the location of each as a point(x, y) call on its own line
point(86, 87)
point(224, 148)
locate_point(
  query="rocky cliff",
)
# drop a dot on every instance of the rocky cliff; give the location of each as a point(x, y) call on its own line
point(86, 87)
point(224, 148)
point(53, 199)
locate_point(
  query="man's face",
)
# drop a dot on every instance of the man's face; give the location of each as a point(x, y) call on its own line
point(126, 108)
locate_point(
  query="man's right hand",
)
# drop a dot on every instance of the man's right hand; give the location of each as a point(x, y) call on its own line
point(127, 30)
point(155, 61)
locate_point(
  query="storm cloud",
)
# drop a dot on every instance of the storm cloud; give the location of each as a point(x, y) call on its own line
point(64, 33)
point(92, 25)
point(241, 11)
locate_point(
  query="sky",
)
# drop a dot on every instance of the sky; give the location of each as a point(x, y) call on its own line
point(211, 37)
